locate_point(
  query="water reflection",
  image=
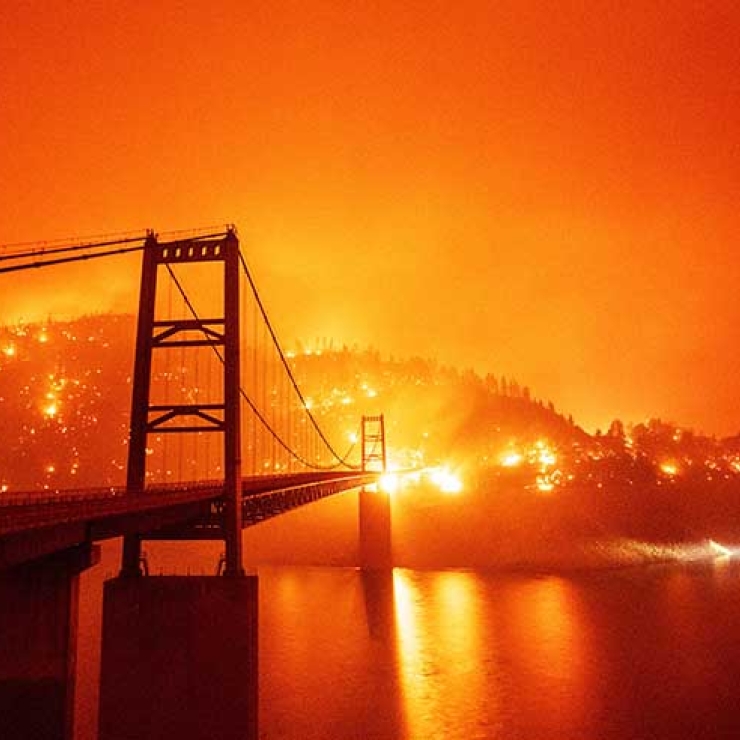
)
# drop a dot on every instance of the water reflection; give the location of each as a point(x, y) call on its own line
point(379, 599)
point(472, 657)
point(445, 663)
point(459, 655)
point(541, 626)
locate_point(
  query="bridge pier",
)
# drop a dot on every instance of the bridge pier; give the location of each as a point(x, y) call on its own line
point(376, 549)
point(38, 645)
point(179, 658)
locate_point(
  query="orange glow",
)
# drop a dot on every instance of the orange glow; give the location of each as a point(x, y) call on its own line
point(559, 656)
point(547, 458)
point(51, 410)
point(446, 480)
point(545, 484)
point(497, 172)
point(389, 482)
point(511, 459)
point(669, 468)
point(720, 550)
point(454, 622)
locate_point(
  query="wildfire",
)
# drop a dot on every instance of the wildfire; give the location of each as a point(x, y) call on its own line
point(511, 459)
point(389, 482)
point(51, 410)
point(669, 468)
point(446, 480)
point(545, 484)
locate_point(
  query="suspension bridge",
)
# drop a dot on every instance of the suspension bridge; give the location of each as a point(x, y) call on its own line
point(221, 437)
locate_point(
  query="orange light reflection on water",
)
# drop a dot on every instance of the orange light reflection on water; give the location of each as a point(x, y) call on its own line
point(438, 651)
point(545, 632)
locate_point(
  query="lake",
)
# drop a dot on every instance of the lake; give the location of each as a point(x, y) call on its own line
point(644, 651)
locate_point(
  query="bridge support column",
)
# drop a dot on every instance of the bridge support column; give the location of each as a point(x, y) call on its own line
point(376, 550)
point(179, 658)
point(38, 645)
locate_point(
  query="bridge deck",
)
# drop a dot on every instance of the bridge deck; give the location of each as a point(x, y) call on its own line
point(35, 524)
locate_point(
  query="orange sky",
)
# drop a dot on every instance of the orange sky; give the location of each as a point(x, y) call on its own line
point(547, 190)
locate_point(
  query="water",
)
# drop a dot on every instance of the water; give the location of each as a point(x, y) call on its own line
point(636, 652)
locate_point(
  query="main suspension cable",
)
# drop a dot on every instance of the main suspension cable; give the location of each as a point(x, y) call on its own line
point(246, 397)
point(286, 365)
point(62, 260)
point(44, 251)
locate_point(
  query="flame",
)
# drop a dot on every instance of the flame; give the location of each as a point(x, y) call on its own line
point(511, 459)
point(51, 410)
point(389, 482)
point(446, 480)
point(669, 468)
point(545, 484)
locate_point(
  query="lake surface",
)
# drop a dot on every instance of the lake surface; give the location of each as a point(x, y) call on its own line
point(649, 651)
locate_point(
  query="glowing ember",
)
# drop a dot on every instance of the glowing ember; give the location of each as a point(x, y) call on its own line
point(544, 484)
point(51, 410)
point(547, 458)
point(669, 468)
point(446, 480)
point(511, 459)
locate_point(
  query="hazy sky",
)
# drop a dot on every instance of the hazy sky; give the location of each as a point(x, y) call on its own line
point(545, 190)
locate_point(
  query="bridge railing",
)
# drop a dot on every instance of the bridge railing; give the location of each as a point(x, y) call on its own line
point(29, 510)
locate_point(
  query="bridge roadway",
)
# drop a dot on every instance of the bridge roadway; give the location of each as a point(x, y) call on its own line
point(36, 524)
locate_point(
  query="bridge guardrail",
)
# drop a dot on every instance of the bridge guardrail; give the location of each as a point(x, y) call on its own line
point(28, 510)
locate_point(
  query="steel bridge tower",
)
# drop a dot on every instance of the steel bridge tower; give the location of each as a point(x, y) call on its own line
point(222, 417)
point(179, 653)
point(376, 550)
point(373, 444)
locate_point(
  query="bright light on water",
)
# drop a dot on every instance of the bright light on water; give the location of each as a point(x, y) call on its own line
point(720, 550)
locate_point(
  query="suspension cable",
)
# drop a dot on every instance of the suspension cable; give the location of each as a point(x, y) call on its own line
point(249, 401)
point(40, 257)
point(286, 365)
point(62, 260)
point(44, 251)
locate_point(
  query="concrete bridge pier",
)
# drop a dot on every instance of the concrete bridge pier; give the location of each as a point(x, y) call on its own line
point(179, 658)
point(376, 549)
point(38, 645)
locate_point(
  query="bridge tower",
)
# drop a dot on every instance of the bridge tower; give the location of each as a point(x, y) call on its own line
point(373, 444)
point(179, 653)
point(375, 506)
point(173, 334)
